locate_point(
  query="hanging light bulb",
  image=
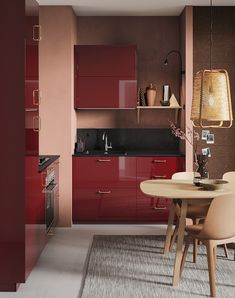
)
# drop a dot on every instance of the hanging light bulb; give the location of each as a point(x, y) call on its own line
point(211, 104)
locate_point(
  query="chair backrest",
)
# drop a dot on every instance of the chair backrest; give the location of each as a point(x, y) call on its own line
point(229, 176)
point(185, 175)
point(220, 219)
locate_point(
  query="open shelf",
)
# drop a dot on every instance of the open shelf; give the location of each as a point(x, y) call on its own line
point(176, 108)
point(158, 107)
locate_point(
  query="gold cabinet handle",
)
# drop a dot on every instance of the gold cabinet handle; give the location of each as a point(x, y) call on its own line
point(159, 208)
point(103, 160)
point(159, 161)
point(159, 177)
point(37, 29)
point(38, 119)
point(100, 192)
point(36, 99)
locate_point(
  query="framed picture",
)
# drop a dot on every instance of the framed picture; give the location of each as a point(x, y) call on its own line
point(210, 138)
point(204, 134)
point(206, 151)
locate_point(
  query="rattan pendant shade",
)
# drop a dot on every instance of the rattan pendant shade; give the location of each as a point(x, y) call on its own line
point(211, 105)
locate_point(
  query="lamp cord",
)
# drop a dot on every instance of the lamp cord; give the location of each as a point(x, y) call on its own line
point(211, 29)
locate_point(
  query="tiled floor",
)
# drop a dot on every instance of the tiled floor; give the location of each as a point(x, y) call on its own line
point(59, 271)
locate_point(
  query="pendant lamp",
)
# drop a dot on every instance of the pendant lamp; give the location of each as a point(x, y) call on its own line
point(211, 104)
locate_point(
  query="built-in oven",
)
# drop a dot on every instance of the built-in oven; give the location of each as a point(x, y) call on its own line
point(50, 190)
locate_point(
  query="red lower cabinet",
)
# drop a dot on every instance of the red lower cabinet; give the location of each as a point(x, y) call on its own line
point(106, 189)
point(152, 209)
point(117, 204)
point(35, 225)
point(85, 205)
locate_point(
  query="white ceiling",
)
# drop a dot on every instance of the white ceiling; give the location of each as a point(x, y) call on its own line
point(132, 7)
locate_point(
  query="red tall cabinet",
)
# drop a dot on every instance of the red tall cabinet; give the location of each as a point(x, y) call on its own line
point(32, 93)
point(14, 53)
point(12, 149)
point(105, 77)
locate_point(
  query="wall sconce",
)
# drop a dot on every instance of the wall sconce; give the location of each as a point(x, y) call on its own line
point(211, 104)
point(180, 59)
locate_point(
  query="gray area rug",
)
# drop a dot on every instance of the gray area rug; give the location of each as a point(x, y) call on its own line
point(134, 266)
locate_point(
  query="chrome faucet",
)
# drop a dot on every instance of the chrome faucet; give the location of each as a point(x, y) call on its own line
point(105, 139)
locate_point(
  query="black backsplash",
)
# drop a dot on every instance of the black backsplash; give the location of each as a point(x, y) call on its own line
point(132, 139)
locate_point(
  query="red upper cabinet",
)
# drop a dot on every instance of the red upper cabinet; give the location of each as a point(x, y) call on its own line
point(105, 77)
point(109, 61)
point(32, 93)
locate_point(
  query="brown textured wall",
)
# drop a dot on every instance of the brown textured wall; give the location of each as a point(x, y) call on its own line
point(223, 56)
point(154, 37)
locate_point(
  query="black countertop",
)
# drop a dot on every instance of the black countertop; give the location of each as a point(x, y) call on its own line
point(52, 158)
point(127, 153)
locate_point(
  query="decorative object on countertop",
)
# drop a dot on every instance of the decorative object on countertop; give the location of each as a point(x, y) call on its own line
point(166, 93)
point(165, 103)
point(211, 105)
point(201, 165)
point(151, 95)
point(142, 97)
point(213, 184)
point(173, 101)
point(81, 142)
point(200, 160)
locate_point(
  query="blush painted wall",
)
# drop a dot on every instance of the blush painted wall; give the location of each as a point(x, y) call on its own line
point(223, 56)
point(59, 34)
point(154, 37)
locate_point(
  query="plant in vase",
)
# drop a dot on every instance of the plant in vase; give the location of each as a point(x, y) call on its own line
point(192, 137)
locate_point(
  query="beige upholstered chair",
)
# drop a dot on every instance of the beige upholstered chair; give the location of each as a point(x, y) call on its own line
point(214, 231)
point(194, 212)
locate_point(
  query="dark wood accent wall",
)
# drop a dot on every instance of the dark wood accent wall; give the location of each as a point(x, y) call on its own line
point(223, 56)
point(154, 38)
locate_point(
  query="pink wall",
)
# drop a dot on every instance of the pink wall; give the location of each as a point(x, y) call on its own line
point(154, 38)
point(56, 85)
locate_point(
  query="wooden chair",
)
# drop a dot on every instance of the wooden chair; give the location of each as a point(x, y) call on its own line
point(214, 231)
point(194, 212)
point(230, 177)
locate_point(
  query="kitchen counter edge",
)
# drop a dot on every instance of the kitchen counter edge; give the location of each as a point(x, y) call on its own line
point(49, 162)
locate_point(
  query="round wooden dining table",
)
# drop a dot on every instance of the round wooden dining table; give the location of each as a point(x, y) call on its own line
point(187, 193)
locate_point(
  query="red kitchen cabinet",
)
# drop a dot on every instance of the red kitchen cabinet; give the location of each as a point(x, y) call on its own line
point(105, 77)
point(105, 92)
point(102, 171)
point(85, 205)
point(103, 60)
point(149, 208)
point(117, 204)
point(104, 204)
point(159, 167)
point(104, 188)
point(35, 226)
point(32, 93)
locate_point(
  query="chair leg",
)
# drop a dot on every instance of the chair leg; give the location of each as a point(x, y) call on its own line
point(174, 235)
point(186, 247)
point(195, 242)
point(215, 255)
point(211, 267)
point(226, 251)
